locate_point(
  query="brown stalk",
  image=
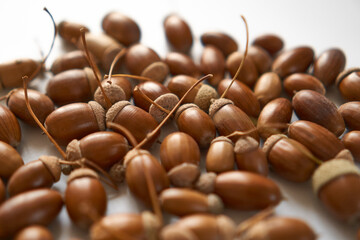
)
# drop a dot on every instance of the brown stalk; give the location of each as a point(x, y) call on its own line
point(131, 76)
point(244, 226)
point(150, 100)
point(116, 59)
point(123, 131)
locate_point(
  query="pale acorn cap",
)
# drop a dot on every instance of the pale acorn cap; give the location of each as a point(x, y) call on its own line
point(215, 203)
point(184, 175)
point(167, 101)
point(73, 151)
point(183, 107)
point(115, 109)
point(117, 172)
point(53, 165)
point(345, 154)
point(133, 153)
point(156, 71)
point(82, 172)
point(216, 104)
point(330, 170)
point(90, 76)
point(271, 141)
point(226, 227)
point(245, 145)
point(99, 113)
point(172, 232)
point(206, 183)
point(151, 225)
point(112, 91)
point(222, 139)
point(204, 95)
point(346, 73)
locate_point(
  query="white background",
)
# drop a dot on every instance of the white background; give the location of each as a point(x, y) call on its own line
point(25, 29)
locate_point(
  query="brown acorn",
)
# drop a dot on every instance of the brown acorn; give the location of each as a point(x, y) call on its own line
point(249, 73)
point(212, 61)
point(351, 141)
point(261, 59)
point(181, 64)
point(225, 43)
point(267, 88)
point(348, 83)
point(121, 27)
point(178, 33)
point(34, 232)
point(301, 81)
point(151, 89)
point(350, 111)
point(10, 131)
point(10, 160)
point(220, 156)
point(71, 60)
point(270, 42)
point(70, 31)
point(2, 191)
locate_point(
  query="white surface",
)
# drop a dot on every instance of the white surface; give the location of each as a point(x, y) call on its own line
point(321, 24)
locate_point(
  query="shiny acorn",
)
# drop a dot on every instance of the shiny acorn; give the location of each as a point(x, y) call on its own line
point(350, 111)
point(301, 81)
point(268, 87)
point(178, 33)
point(249, 73)
point(34, 232)
point(348, 83)
point(10, 160)
point(10, 131)
point(270, 42)
point(70, 31)
point(220, 156)
point(261, 59)
point(212, 61)
point(71, 60)
point(351, 141)
point(2, 191)
point(222, 41)
point(181, 64)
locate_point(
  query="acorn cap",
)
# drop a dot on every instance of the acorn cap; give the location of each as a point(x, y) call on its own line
point(183, 108)
point(222, 139)
point(216, 104)
point(184, 175)
point(82, 172)
point(156, 71)
point(115, 109)
point(226, 227)
point(117, 172)
point(151, 225)
point(346, 73)
point(271, 141)
point(345, 154)
point(99, 112)
point(204, 95)
point(53, 165)
point(73, 151)
point(174, 232)
point(245, 145)
point(167, 101)
point(90, 76)
point(133, 153)
point(206, 183)
point(330, 170)
point(215, 203)
point(112, 91)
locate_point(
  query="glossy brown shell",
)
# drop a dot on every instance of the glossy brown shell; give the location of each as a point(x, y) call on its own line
point(151, 89)
point(71, 60)
point(301, 81)
point(138, 57)
point(180, 63)
point(351, 141)
point(212, 61)
point(349, 87)
point(270, 42)
point(10, 131)
point(10, 160)
point(350, 111)
point(34, 232)
point(178, 33)
point(70, 31)
point(225, 43)
point(179, 84)
point(248, 74)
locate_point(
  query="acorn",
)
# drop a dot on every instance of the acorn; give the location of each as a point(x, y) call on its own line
point(222, 41)
point(71, 60)
point(348, 83)
point(178, 33)
point(181, 64)
point(268, 87)
point(301, 81)
point(212, 61)
point(249, 73)
point(350, 111)
point(220, 156)
point(10, 160)
point(261, 59)
point(70, 31)
point(10, 131)
point(270, 42)
point(34, 232)
point(351, 141)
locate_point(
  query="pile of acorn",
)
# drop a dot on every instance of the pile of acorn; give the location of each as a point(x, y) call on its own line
point(109, 127)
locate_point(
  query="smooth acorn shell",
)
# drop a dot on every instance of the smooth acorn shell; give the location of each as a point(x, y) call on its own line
point(85, 196)
point(41, 105)
point(122, 28)
point(349, 86)
point(267, 88)
point(104, 148)
point(225, 43)
point(328, 65)
point(32, 175)
point(350, 111)
point(10, 131)
point(178, 33)
point(34, 232)
point(11, 72)
point(351, 141)
point(320, 141)
point(2, 191)
point(180, 63)
point(292, 61)
point(301, 81)
point(70, 86)
point(220, 156)
point(70, 31)
point(179, 84)
point(136, 180)
point(270, 42)
point(280, 228)
point(151, 89)
point(247, 191)
point(122, 82)
point(212, 61)
point(178, 148)
point(33, 207)
point(241, 95)
point(10, 160)
point(198, 125)
point(290, 160)
point(72, 121)
point(315, 107)
point(71, 60)
point(277, 112)
point(261, 59)
point(138, 57)
point(341, 196)
point(248, 74)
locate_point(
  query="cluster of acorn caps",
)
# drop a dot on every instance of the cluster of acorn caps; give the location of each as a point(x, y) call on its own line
point(227, 118)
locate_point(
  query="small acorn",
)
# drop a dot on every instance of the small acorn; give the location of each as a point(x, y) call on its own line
point(220, 156)
point(10, 160)
point(249, 73)
point(348, 83)
point(34, 232)
point(351, 141)
point(181, 64)
point(71, 60)
point(10, 131)
point(2, 191)
point(213, 61)
point(267, 88)
point(270, 42)
point(178, 33)
point(225, 43)
point(337, 184)
point(301, 81)
point(350, 111)
point(70, 31)
point(261, 59)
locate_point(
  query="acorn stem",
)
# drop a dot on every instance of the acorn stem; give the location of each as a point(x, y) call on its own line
point(151, 134)
point(150, 100)
point(245, 225)
point(242, 61)
point(8, 94)
point(25, 80)
point(123, 131)
point(131, 76)
point(94, 67)
point(309, 155)
point(116, 59)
